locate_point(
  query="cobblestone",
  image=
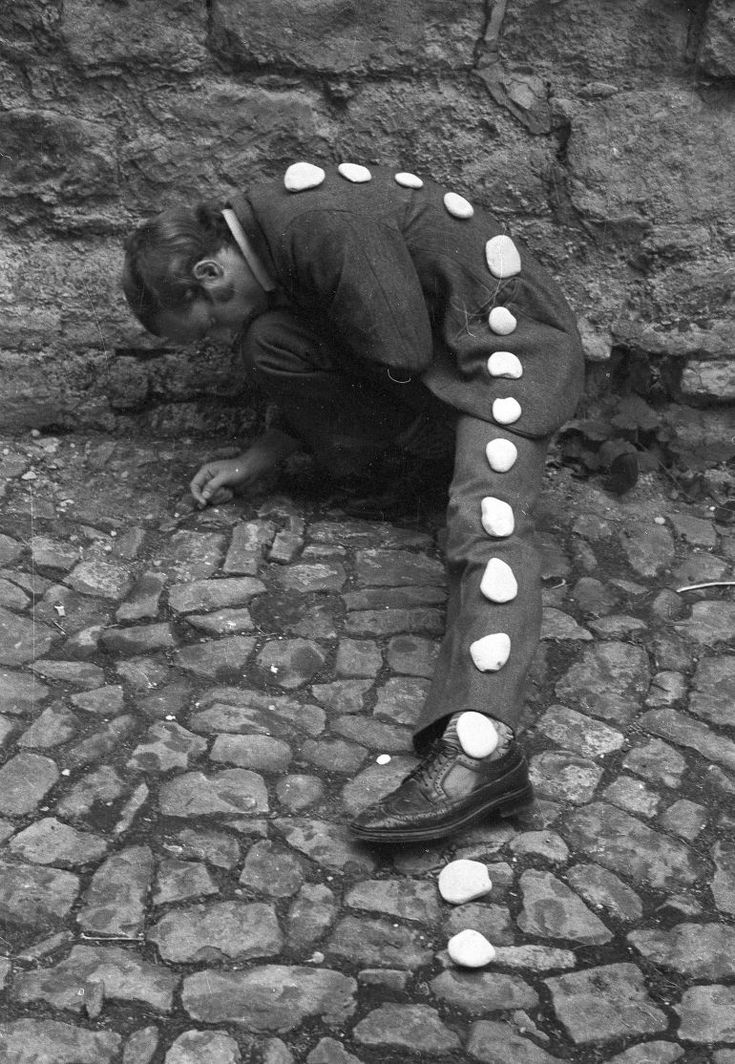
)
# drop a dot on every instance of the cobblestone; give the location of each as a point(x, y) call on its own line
point(191, 708)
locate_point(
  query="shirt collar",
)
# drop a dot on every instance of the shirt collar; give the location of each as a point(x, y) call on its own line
point(248, 252)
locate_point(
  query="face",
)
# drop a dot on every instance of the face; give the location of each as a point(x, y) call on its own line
point(235, 298)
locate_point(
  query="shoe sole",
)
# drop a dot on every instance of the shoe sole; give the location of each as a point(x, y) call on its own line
point(507, 806)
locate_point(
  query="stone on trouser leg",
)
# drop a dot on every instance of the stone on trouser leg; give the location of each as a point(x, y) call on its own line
point(501, 454)
point(498, 583)
point(491, 652)
point(497, 517)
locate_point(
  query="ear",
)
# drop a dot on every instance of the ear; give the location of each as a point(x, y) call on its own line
point(208, 272)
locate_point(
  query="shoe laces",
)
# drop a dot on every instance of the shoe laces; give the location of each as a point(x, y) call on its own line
point(439, 752)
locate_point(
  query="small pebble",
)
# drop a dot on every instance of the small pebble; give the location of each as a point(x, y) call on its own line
point(464, 880)
point(491, 652)
point(458, 206)
point(501, 321)
point(354, 172)
point(409, 180)
point(506, 411)
point(498, 583)
point(301, 176)
point(504, 364)
point(502, 257)
point(501, 455)
point(470, 949)
point(477, 734)
point(383, 759)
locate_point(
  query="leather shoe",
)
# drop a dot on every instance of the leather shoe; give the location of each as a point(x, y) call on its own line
point(446, 792)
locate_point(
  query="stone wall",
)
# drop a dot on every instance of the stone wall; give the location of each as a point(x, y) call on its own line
point(601, 131)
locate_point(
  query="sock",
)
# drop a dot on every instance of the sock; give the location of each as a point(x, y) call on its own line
point(477, 733)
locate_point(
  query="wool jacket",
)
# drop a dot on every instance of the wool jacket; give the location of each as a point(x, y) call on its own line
point(390, 274)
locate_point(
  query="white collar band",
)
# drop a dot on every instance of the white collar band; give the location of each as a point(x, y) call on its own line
point(259, 271)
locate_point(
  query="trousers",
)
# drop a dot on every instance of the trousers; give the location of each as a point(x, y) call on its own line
point(346, 415)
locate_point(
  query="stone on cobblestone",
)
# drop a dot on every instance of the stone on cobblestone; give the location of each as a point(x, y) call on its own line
point(215, 931)
point(311, 914)
point(35, 1041)
point(470, 949)
point(711, 623)
point(203, 596)
point(700, 951)
point(114, 903)
point(36, 896)
point(22, 638)
point(262, 753)
point(25, 780)
point(219, 849)
point(51, 842)
point(707, 1014)
point(413, 655)
point(564, 776)
point(604, 891)
point(271, 869)
point(657, 762)
point(204, 1047)
point(604, 1003)
point(232, 710)
point(492, 1042)
point(166, 745)
point(100, 744)
point(632, 795)
point(609, 682)
point(713, 693)
point(330, 1051)
point(545, 844)
point(124, 975)
point(229, 792)
point(407, 899)
point(290, 663)
point(624, 844)
point(275, 998)
point(20, 693)
point(377, 942)
point(649, 549)
point(55, 726)
point(681, 729)
point(343, 696)
point(217, 659)
point(374, 782)
point(416, 1028)
point(723, 881)
point(181, 880)
point(329, 844)
point(493, 921)
point(462, 881)
point(297, 792)
point(552, 910)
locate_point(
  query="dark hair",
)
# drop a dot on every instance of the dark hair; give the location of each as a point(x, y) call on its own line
point(160, 255)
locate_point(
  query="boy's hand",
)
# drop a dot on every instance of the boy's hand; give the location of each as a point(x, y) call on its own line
point(215, 481)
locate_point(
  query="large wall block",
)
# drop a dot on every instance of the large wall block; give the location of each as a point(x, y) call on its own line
point(602, 132)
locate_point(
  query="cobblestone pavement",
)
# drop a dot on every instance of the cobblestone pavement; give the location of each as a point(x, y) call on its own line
point(192, 704)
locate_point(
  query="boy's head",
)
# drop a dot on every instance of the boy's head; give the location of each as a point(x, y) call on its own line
point(185, 278)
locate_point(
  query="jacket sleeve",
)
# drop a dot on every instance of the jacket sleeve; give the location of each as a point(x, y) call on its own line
point(355, 277)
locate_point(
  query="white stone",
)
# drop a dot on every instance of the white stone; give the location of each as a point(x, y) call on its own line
point(498, 583)
point(497, 517)
point(504, 364)
point(501, 454)
point(301, 176)
point(477, 734)
point(354, 172)
point(458, 206)
point(490, 653)
point(501, 321)
point(470, 949)
point(506, 411)
point(409, 180)
point(463, 881)
point(502, 257)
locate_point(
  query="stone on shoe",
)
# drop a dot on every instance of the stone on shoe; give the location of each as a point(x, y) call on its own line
point(477, 734)
point(462, 881)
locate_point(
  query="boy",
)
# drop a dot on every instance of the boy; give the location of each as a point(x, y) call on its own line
point(372, 307)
